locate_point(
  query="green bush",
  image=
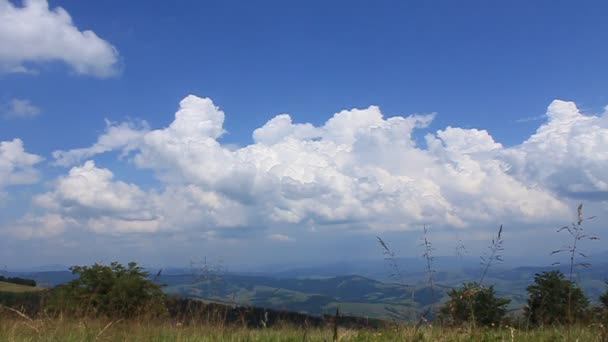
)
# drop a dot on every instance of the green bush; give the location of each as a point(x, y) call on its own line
point(113, 291)
point(604, 299)
point(552, 299)
point(472, 303)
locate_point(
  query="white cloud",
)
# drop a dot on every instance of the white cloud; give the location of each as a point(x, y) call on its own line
point(20, 109)
point(280, 127)
point(93, 188)
point(279, 237)
point(17, 165)
point(567, 155)
point(125, 136)
point(90, 196)
point(35, 33)
point(359, 170)
point(43, 226)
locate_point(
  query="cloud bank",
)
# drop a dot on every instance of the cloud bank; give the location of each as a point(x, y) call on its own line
point(359, 170)
point(35, 33)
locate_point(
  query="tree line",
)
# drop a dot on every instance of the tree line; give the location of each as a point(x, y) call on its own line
point(18, 281)
point(552, 300)
point(118, 291)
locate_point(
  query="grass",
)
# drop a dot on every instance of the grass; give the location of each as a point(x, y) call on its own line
point(10, 287)
point(22, 329)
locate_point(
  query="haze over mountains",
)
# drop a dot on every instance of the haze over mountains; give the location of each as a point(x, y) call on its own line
point(358, 288)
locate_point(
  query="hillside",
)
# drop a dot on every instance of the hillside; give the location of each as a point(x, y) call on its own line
point(354, 295)
point(317, 292)
point(361, 296)
point(10, 287)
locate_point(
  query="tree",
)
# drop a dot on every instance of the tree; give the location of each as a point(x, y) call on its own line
point(113, 290)
point(473, 303)
point(552, 297)
point(604, 299)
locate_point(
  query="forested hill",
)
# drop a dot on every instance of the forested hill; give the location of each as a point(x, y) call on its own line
point(355, 295)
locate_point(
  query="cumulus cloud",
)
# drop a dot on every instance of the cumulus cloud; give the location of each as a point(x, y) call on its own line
point(358, 170)
point(90, 196)
point(35, 33)
point(17, 165)
point(124, 136)
point(567, 155)
point(20, 109)
point(43, 226)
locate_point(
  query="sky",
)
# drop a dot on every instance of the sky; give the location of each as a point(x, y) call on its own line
point(297, 131)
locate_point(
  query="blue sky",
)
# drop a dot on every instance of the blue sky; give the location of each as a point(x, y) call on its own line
point(494, 67)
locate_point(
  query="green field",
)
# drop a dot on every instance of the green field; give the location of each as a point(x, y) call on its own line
point(10, 287)
point(22, 329)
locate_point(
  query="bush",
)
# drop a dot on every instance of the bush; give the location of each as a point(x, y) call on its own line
point(604, 299)
point(548, 300)
point(602, 309)
point(28, 302)
point(472, 303)
point(113, 291)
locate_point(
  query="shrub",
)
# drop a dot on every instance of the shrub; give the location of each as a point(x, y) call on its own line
point(114, 291)
point(472, 303)
point(604, 299)
point(548, 299)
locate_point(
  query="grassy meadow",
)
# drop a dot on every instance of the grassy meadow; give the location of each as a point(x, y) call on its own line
point(23, 329)
point(10, 287)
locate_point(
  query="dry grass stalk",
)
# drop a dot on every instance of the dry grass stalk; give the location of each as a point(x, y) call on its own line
point(391, 258)
point(106, 328)
point(430, 271)
point(489, 259)
point(29, 322)
point(578, 234)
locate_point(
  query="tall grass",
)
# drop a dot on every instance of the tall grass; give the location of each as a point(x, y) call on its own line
point(430, 272)
point(492, 257)
point(577, 235)
point(68, 330)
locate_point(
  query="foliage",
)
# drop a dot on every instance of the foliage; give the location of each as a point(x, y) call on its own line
point(114, 291)
point(473, 303)
point(552, 297)
point(578, 234)
point(604, 299)
point(27, 302)
point(600, 311)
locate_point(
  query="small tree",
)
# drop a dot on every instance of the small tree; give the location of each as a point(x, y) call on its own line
point(113, 290)
point(604, 299)
point(473, 303)
point(552, 299)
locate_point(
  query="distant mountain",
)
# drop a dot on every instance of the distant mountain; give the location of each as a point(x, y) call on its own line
point(369, 293)
point(42, 268)
point(46, 278)
point(354, 295)
point(362, 296)
point(378, 269)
